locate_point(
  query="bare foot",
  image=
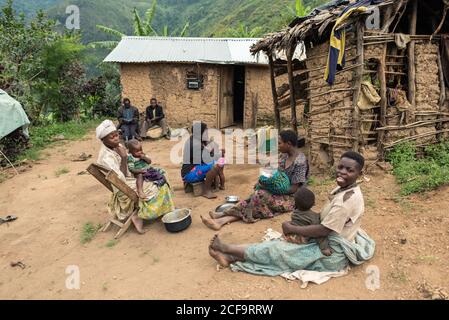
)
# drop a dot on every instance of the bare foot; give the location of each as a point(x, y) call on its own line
point(222, 187)
point(220, 257)
point(209, 195)
point(217, 245)
point(216, 215)
point(142, 195)
point(210, 223)
point(138, 223)
point(327, 252)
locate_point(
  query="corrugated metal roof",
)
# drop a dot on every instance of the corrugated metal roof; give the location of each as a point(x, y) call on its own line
point(199, 50)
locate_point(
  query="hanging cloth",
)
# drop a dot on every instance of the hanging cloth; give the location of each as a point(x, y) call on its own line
point(336, 59)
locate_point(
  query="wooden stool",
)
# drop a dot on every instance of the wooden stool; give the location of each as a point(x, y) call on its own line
point(195, 188)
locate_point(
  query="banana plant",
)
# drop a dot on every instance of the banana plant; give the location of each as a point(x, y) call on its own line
point(290, 13)
point(142, 28)
point(242, 31)
point(301, 10)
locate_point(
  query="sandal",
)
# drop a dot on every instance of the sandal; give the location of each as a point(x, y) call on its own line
point(18, 264)
point(8, 219)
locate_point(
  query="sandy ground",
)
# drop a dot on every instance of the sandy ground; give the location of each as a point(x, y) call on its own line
point(412, 238)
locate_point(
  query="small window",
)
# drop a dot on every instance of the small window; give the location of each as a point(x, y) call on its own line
point(194, 80)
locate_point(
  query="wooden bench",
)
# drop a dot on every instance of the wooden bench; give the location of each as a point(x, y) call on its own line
point(109, 179)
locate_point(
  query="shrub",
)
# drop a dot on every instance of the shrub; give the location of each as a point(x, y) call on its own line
point(423, 174)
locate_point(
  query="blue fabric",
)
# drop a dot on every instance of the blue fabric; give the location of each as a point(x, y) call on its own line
point(129, 131)
point(336, 59)
point(128, 114)
point(277, 257)
point(198, 173)
point(278, 184)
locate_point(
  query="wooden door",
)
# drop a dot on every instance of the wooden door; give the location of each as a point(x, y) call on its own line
point(227, 97)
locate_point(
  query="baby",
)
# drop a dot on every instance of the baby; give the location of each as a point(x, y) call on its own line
point(219, 158)
point(140, 166)
point(220, 180)
point(304, 216)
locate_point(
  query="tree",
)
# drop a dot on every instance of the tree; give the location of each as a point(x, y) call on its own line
point(142, 28)
point(39, 67)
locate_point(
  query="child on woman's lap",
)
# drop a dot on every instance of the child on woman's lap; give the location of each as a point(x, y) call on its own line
point(140, 166)
point(304, 216)
point(220, 180)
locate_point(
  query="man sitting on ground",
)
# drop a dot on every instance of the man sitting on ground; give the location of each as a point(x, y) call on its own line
point(154, 117)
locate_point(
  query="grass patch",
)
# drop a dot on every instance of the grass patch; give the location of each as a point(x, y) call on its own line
point(427, 259)
point(3, 177)
point(43, 136)
point(419, 175)
point(155, 260)
point(313, 182)
point(61, 171)
point(399, 276)
point(111, 243)
point(405, 204)
point(89, 231)
point(370, 203)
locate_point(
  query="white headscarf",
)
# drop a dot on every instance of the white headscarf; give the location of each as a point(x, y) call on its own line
point(105, 128)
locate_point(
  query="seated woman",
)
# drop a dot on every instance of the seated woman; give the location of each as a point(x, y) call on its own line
point(262, 204)
point(198, 162)
point(340, 222)
point(114, 156)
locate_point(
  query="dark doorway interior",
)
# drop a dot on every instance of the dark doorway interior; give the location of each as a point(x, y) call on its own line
point(239, 94)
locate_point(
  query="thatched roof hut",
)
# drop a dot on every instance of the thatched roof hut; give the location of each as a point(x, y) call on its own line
point(390, 89)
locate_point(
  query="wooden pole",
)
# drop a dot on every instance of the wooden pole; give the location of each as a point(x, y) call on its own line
point(442, 90)
point(411, 56)
point(358, 87)
point(442, 83)
point(291, 82)
point(384, 99)
point(277, 113)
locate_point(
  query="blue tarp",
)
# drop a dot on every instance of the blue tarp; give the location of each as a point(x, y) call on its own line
point(12, 115)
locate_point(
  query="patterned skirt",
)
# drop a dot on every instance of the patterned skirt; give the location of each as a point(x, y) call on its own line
point(160, 204)
point(262, 205)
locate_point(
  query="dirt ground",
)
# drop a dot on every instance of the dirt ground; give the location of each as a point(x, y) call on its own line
point(412, 237)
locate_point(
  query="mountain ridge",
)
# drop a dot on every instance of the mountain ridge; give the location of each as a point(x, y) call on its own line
point(209, 18)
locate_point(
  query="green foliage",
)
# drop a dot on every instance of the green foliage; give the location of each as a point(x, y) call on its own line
point(142, 28)
point(242, 31)
point(43, 136)
point(89, 231)
point(291, 12)
point(424, 174)
point(102, 94)
point(111, 243)
point(3, 177)
point(64, 78)
point(61, 171)
point(39, 67)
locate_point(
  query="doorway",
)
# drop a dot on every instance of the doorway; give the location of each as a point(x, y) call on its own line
point(239, 95)
point(232, 96)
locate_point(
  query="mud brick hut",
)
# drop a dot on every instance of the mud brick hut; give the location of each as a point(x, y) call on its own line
point(393, 87)
point(217, 81)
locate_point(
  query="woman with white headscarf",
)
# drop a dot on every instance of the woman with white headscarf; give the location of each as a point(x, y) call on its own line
point(115, 157)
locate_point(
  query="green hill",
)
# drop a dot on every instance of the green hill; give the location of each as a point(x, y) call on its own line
point(206, 17)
